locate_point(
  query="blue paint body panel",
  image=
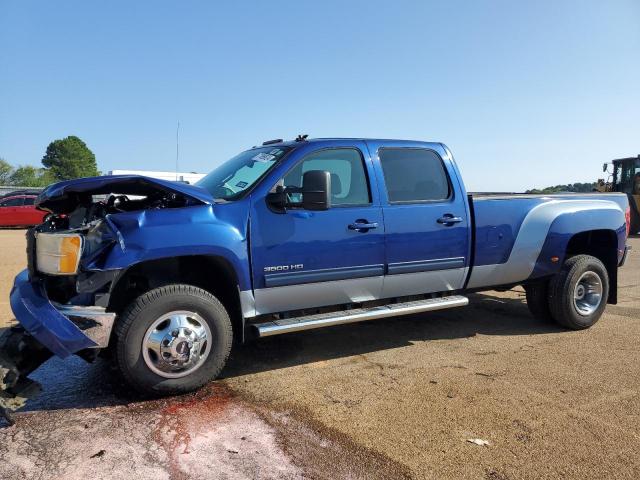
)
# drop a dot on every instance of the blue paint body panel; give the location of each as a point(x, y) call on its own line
point(318, 240)
point(497, 222)
point(324, 275)
point(412, 233)
point(425, 266)
point(315, 254)
point(217, 230)
point(561, 232)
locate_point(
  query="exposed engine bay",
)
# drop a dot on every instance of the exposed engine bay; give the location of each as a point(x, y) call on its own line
point(66, 252)
point(90, 209)
point(75, 204)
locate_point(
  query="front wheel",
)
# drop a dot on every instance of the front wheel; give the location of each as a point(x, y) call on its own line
point(172, 340)
point(578, 293)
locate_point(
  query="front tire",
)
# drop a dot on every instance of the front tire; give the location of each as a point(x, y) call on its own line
point(578, 293)
point(172, 340)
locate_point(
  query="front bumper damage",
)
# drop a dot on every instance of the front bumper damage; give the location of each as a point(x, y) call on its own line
point(45, 329)
point(20, 354)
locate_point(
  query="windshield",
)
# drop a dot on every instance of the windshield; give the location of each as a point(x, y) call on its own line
point(232, 178)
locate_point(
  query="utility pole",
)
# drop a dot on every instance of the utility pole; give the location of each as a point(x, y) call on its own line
point(177, 149)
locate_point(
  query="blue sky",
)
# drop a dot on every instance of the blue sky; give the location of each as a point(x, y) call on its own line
point(524, 93)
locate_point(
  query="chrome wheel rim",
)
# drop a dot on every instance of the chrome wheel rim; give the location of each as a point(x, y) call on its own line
point(587, 294)
point(176, 344)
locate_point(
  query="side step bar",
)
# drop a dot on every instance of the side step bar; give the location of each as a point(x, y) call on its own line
point(288, 325)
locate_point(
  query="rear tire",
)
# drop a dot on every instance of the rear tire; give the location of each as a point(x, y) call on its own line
point(578, 293)
point(538, 300)
point(172, 340)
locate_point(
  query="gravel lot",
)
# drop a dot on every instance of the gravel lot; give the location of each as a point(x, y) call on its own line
point(386, 399)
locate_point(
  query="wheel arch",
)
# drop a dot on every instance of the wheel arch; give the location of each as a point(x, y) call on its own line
point(212, 273)
point(603, 245)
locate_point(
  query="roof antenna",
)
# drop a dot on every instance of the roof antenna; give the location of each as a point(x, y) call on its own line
point(301, 138)
point(177, 148)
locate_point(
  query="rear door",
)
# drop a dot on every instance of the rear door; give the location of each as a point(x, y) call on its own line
point(426, 218)
point(303, 259)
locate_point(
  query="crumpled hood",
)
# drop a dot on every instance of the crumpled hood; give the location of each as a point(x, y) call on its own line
point(63, 197)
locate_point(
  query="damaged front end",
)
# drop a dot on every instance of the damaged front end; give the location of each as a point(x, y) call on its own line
point(61, 300)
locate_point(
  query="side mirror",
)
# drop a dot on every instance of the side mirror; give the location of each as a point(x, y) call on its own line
point(604, 167)
point(316, 190)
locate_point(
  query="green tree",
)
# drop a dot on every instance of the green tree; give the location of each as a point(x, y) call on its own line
point(5, 172)
point(70, 158)
point(29, 176)
point(573, 187)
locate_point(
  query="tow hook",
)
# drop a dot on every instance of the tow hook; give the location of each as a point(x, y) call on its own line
point(20, 354)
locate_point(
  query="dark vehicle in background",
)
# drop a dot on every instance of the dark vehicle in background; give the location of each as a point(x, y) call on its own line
point(625, 178)
point(18, 210)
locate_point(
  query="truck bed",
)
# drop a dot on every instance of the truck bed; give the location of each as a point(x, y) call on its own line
point(500, 239)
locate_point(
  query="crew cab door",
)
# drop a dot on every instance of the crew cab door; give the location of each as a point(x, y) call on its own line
point(304, 259)
point(426, 218)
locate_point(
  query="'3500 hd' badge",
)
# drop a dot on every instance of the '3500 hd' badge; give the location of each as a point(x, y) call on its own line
point(284, 268)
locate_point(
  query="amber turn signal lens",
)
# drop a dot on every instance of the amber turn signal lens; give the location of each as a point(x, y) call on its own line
point(70, 251)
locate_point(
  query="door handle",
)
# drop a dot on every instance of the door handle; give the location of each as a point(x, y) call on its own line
point(448, 220)
point(362, 226)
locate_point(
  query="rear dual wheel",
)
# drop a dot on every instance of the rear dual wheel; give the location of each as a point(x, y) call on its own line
point(575, 297)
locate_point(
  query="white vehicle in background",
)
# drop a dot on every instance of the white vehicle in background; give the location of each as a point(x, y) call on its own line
point(190, 177)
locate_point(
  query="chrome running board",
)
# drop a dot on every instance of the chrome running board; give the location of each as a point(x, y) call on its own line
point(288, 325)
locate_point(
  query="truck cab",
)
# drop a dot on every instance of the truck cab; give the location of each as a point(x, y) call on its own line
point(368, 243)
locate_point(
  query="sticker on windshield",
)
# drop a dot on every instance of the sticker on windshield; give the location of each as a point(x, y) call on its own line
point(275, 151)
point(241, 184)
point(264, 157)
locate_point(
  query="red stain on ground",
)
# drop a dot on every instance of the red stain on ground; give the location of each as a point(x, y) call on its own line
point(185, 417)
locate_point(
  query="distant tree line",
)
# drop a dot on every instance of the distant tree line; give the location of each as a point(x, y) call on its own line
point(572, 187)
point(64, 159)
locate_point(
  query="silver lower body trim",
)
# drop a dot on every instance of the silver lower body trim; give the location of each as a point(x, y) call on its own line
point(94, 322)
point(417, 283)
point(310, 322)
point(295, 297)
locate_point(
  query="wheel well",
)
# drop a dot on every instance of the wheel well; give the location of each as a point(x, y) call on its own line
point(211, 273)
point(602, 244)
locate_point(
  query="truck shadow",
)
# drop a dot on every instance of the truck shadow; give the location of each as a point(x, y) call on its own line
point(486, 315)
point(72, 383)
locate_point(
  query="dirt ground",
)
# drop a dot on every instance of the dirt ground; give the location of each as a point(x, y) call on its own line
point(13, 259)
point(394, 398)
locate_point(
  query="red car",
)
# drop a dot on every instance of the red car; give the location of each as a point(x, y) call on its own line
point(18, 210)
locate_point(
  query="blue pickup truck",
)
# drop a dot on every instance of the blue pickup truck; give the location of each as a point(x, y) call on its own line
point(163, 277)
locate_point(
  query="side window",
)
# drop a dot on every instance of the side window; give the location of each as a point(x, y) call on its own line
point(414, 175)
point(29, 200)
point(349, 184)
point(12, 202)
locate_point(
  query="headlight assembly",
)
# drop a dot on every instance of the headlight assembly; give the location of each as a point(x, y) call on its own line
point(58, 253)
